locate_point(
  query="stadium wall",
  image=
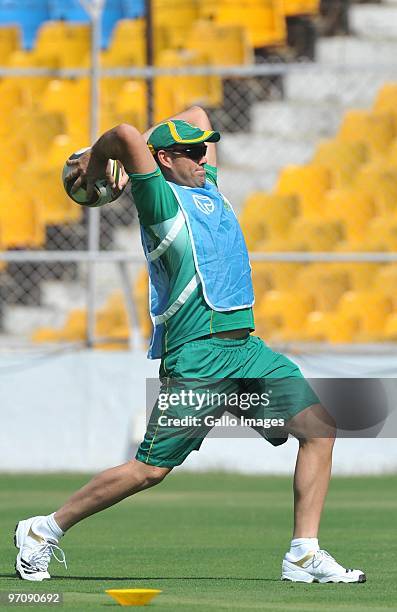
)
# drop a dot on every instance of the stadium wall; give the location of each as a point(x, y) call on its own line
point(84, 411)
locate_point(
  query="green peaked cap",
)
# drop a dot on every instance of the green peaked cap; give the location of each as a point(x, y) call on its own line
point(179, 132)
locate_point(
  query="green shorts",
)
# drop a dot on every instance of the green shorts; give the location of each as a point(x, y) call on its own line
point(208, 378)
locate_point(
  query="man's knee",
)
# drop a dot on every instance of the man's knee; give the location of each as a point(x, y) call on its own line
point(149, 475)
point(313, 423)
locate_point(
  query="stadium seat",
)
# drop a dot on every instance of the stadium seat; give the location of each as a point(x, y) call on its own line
point(127, 45)
point(220, 45)
point(386, 100)
point(263, 19)
point(175, 18)
point(390, 328)
point(342, 160)
point(131, 104)
point(10, 41)
point(330, 327)
point(267, 216)
point(301, 7)
point(352, 208)
point(141, 299)
point(310, 235)
point(361, 276)
point(386, 281)
point(373, 128)
point(173, 93)
point(379, 181)
point(63, 45)
point(273, 275)
point(75, 327)
point(370, 308)
point(382, 234)
point(21, 221)
point(325, 283)
point(28, 14)
point(309, 183)
point(288, 308)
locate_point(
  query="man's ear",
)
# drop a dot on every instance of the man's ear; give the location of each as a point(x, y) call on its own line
point(164, 158)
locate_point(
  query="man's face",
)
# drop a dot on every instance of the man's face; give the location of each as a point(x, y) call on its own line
point(184, 164)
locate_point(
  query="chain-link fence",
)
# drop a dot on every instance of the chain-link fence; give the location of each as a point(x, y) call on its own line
point(271, 115)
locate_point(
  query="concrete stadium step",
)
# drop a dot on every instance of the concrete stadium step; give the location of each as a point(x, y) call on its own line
point(296, 119)
point(356, 50)
point(21, 321)
point(264, 154)
point(374, 20)
point(348, 88)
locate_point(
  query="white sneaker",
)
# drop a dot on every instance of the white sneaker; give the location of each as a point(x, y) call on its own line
point(34, 552)
point(318, 566)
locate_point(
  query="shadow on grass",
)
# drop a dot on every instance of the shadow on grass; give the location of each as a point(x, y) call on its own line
point(124, 578)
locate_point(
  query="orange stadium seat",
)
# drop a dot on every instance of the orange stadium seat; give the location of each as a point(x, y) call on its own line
point(330, 327)
point(375, 129)
point(309, 183)
point(342, 160)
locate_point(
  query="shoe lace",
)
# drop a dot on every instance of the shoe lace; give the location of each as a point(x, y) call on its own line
point(319, 557)
point(42, 557)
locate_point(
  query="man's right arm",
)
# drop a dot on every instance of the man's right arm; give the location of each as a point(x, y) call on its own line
point(122, 142)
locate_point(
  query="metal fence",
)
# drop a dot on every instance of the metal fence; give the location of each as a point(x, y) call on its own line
point(270, 115)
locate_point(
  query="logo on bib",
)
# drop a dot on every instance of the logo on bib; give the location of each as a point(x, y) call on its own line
point(204, 203)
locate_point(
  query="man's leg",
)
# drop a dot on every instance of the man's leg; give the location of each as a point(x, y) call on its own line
point(108, 488)
point(305, 562)
point(37, 537)
point(316, 434)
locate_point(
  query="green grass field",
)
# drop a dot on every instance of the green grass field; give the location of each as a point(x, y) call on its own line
point(210, 542)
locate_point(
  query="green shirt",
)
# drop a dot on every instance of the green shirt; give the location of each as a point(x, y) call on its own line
point(156, 203)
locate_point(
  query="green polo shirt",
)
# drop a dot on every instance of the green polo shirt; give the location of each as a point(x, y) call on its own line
point(156, 203)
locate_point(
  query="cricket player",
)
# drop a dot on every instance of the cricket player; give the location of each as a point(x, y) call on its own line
point(201, 301)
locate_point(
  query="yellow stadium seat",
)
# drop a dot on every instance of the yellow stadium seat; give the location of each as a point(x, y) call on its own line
point(175, 93)
point(361, 275)
point(342, 160)
point(63, 44)
point(21, 221)
point(300, 7)
point(382, 234)
point(386, 100)
point(329, 327)
point(72, 99)
point(325, 283)
point(141, 293)
point(379, 181)
point(263, 19)
point(354, 209)
point(375, 129)
point(288, 308)
point(386, 280)
point(131, 104)
point(273, 275)
point(127, 46)
point(10, 41)
point(390, 328)
point(75, 327)
point(370, 308)
point(175, 17)
point(220, 45)
point(308, 235)
point(42, 128)
point(309, 183)
point(267, 216)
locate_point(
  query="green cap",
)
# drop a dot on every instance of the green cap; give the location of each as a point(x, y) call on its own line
point(179, 132)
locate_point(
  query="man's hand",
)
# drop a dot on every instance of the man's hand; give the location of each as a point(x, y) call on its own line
point(88, 169)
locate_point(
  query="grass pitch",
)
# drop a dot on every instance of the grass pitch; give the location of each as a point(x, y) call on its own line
point(210, 542)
